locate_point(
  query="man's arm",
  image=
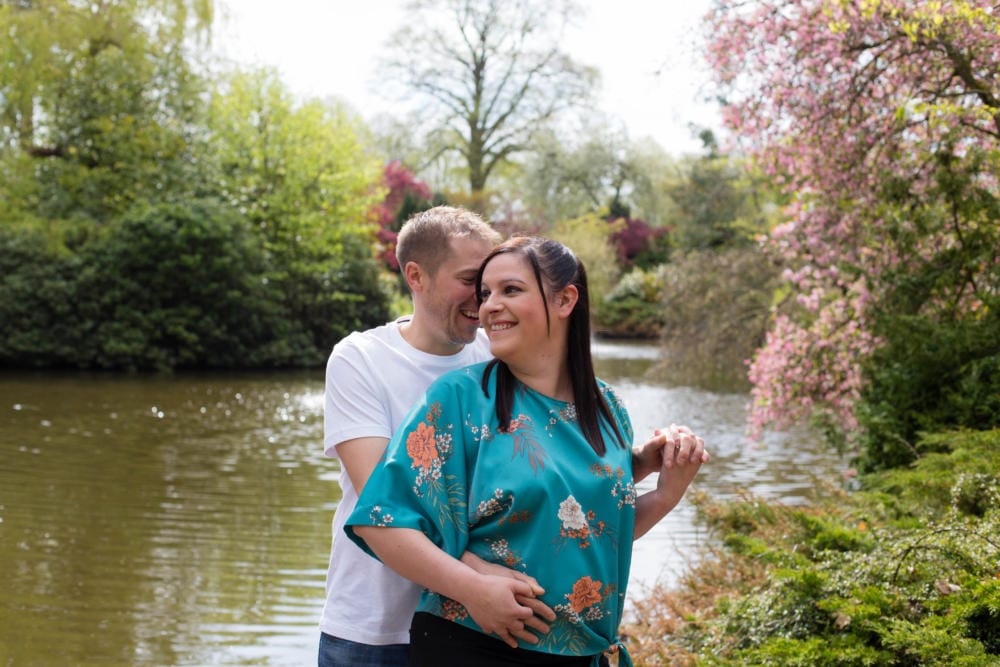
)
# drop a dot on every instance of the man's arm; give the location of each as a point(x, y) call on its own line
point(494, 602)
point(359, 457)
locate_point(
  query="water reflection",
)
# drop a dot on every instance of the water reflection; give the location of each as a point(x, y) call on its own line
point(185, 520)
point(162, 521)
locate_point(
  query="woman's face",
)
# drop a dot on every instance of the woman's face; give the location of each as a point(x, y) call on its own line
point(513, 310)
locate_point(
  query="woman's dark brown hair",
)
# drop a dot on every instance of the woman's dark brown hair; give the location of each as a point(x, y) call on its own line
point(555, 266)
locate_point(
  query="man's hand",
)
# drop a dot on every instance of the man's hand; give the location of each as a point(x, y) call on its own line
point(539, 609)
point(494, 604)
point(671, 446)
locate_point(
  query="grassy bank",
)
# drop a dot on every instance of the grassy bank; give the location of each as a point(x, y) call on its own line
point(904, 571)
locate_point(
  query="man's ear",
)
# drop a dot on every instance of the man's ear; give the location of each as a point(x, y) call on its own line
point(416, 277)
point(566, 299)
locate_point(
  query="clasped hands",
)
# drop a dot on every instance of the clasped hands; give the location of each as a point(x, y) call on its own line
point(507, 603)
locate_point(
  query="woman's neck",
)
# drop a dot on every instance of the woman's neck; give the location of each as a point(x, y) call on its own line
point(552, 380)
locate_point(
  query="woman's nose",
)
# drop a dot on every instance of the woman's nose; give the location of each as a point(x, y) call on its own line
point(489, 303)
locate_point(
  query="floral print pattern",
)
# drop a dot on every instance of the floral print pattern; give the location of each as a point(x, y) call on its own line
point(537, 500)
point(571, 514)
point(623, 489)
point(585, 601)
point(582, 528)
point(420, 447)
point(428, 447)
point(502, 553)
point(379, 518)
point(452, 610)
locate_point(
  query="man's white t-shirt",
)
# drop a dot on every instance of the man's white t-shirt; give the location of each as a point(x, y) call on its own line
point(372, 379)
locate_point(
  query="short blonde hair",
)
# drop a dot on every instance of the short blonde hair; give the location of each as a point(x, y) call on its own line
point(426, 237)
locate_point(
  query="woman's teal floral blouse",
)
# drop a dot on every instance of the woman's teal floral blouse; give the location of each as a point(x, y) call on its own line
point(536, 498)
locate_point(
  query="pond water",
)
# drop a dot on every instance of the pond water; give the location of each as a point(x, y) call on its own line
point(185, 520)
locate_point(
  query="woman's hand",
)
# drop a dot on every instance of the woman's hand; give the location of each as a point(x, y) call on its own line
point(495, 604)
point(540, 609)
point(666, 444)
point(683, 454)
point(682, 447)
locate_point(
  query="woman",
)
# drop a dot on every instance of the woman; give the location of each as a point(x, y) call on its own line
point(524, 461)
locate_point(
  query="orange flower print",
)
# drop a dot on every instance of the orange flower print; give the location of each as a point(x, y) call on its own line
point(453, 611)
point(420, 446)
point(586, 592)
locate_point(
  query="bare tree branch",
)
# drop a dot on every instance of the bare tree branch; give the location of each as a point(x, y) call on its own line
point(491, 71)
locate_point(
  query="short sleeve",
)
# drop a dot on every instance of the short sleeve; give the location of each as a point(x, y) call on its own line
point(422, 480)
point(619, 412)
point(354, 404)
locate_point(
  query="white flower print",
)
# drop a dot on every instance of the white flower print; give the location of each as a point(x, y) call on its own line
point(571, 514)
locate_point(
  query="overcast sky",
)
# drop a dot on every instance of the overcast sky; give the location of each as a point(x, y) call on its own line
point(651, 72)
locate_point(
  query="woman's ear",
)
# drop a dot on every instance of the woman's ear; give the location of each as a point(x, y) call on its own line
point(566, 299)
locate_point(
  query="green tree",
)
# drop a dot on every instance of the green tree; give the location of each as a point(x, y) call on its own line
point(182, 285)
point(98, 104)
point(171, 285)
point(719, 203)
point(303, 177)
point(567, 176)
point(589, 237)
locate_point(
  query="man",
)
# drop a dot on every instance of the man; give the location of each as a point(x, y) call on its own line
point(372, 379)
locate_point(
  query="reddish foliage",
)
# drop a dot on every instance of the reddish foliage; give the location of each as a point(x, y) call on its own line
point(634, 238)
point(407, 195)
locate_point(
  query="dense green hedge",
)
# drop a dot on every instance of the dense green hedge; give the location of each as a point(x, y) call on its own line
point(175, 286)
point(931, 375)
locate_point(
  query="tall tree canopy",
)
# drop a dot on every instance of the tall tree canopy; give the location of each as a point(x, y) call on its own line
point(488, 75)
point(97, 102)
point(301, 174)
point(146, 222)
point(881, 119)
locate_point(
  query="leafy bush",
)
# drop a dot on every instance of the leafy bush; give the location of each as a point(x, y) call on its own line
point(930, 375)
point(906, 572)
point(632, 307)
point(637, 243)
point(37, 296)
point(715, 308)
point(589, 238)
point(173, 286)
point(179, 285)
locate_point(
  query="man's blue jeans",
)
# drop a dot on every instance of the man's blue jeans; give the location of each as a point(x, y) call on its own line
point(337, 652)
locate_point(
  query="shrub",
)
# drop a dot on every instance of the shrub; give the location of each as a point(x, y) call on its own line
point(37, 297)
point(715, 308)
point(632, 307)
point(589, 238)
point(180, 285)
point(904, 572)
point(931, 375)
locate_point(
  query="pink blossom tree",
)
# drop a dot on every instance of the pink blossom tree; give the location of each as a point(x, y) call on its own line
point(860, 110)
